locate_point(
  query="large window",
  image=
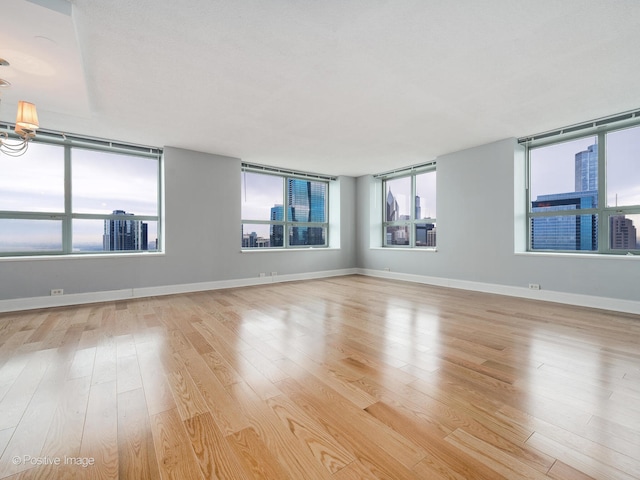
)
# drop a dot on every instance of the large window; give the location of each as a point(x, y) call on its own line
point(283, 211)
point(409, 210)
point(63, 198)
point(584, 192)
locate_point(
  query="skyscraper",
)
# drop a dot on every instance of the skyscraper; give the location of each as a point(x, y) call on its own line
point(306, 203)
point(622, 233)
point(124, 234)
point(564, 232)
point(276, 233)
point(392, 207)
point(586, 169)
point(398, 234)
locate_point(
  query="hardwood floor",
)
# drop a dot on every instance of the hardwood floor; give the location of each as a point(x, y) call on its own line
point(341, 378)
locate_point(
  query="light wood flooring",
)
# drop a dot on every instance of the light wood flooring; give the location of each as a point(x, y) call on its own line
point(341, 378)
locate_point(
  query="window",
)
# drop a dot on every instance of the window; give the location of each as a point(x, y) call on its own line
point(283, 211)
point(584, 192)
point(61, 197)
point(409, 211)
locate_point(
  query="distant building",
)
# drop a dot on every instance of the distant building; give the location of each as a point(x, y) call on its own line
point(276, 234)
point(425, 235)
point(586, 169)
point(622, 233)
point(121, 234)
point(393, 208)
point(252, 240)
point(306, 203)
point(565, 232)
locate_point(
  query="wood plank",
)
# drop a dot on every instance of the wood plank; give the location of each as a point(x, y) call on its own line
point(100, 436)
point(176, 459)
point(322, 446)
point(256, 459)
point(136, 451)
point(215, 456)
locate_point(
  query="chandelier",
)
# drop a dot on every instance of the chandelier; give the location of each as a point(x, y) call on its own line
point(26, 126)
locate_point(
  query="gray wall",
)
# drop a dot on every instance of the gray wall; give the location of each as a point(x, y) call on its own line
point(202, 219)
point(481, 224)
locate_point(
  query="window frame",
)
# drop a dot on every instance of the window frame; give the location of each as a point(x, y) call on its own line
point(412, 222)
point(599, 130)
point(73, 142)
point(287, 223)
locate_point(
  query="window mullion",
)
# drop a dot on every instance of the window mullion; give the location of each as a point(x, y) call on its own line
point(66, 221)
point(412, 213)
point(285, 212)
point(603, 219)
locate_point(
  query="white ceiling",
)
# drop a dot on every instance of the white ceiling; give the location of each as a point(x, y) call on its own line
point(343, 87)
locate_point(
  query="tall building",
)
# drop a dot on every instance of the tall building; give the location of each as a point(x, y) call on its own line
point(276, 233)
point(622, 233)
point(399, 234)
point(425, 235)
point(306, 202)
point(120, 234)
point(570, 232)
point(586, 169)
point(565, 232)
point(392, 207)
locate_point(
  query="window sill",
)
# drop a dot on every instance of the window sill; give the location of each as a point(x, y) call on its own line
point(76, 256)
point(599, 256)
point(283, 250)
point(406, 249)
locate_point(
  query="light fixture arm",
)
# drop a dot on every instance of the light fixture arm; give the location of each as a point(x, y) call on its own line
point(13, 149)
point(26, 126)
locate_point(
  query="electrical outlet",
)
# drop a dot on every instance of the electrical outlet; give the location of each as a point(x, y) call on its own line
point(56, 291)
point(262, 274)
point(387, 269)
point(274, 274)
point(534, 286)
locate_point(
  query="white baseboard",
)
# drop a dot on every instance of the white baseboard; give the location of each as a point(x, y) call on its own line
point(605, 303)
point(31, 303)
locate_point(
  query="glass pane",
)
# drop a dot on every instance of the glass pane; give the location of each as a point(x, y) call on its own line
point(306, 201)
point(256, 235)
point(106, 182)
point(426, 195)
point(21, 235)
point(397, 199)
point(309, 236)
point(566, 232)
point(396, 235)
point(623, 167)
point(564, 172)
point(262, 197)
point(114, 235)
point(33, 182)
point(425, 234)
point(624, 233)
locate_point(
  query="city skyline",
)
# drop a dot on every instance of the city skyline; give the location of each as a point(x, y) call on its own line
point(35, 182)
point(578, 232)
point(306, 202)
point(125, 234)
point(425, 233)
